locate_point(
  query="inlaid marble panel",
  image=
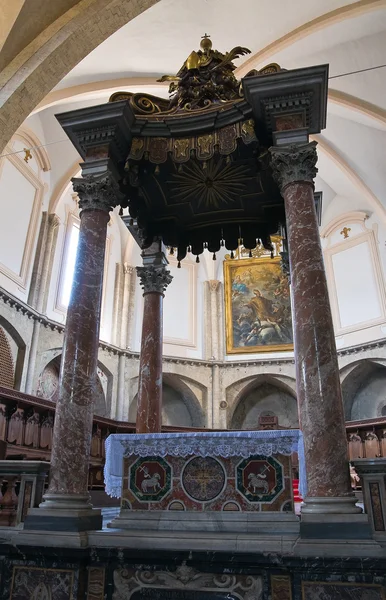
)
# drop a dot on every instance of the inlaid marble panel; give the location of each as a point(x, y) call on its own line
point(319, 590)
point(41, 584)
point(207, 483)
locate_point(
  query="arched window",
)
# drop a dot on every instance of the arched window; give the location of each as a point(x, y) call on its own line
point(68, 264)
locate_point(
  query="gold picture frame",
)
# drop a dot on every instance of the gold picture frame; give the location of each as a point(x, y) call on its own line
point(257, 306)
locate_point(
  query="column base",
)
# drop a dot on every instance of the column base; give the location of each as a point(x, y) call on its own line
point(331, 505)
point(64, 512)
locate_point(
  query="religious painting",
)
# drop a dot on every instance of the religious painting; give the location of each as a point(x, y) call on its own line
point(257, 306)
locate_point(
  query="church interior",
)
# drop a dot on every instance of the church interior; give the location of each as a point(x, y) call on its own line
point(192, 300)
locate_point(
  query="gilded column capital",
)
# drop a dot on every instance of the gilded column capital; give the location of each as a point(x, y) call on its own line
point(97, 192)
point(154, 279)
point(294, 163)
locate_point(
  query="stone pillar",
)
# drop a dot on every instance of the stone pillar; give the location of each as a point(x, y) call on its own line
point(214, 287)
point(32, 357)
point(43, 262)
point(67, 501)
point(317, 374)
point(154, 279)
point(127, 305)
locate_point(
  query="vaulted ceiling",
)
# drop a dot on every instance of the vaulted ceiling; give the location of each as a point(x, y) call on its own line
point(350, 36)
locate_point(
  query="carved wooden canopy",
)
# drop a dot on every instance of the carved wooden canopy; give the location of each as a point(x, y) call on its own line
point(195, 169)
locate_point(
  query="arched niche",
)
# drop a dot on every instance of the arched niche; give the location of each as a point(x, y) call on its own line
point(180, 407)
point(18, 349)
point(265, 396)
point(363, 391)
point(48, 386)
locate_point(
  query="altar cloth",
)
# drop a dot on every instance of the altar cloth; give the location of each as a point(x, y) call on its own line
point(202, 443)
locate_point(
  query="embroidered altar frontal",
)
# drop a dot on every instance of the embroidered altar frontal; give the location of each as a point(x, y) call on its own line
point(243, 471)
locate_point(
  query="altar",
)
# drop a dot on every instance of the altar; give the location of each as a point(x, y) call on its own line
point(199, 480)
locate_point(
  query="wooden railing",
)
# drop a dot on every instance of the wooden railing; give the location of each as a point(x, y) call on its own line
point(26, 427)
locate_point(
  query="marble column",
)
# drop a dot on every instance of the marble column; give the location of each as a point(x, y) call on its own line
point(154, 279)
point(317, 373)
point(67, 500)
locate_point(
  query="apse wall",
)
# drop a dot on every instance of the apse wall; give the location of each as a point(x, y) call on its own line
point(41, 212)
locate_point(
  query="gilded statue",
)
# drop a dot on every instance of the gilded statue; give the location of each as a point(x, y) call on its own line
point(205, 78)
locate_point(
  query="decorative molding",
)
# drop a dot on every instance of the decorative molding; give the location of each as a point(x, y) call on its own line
point(8, 298)
point(214, 285)
point(186, 579)
point(31, 236)
point(356, 216)
point(31, 140)
point(367, 236)
point(154, 279)
point(294, 163)
point(128, 269)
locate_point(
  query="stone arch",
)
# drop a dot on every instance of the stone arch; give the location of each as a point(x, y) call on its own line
point(44, 62)
point(20, 345)
point(181, 407)
point(264, 395)
point(48, 385)
point(363, 389)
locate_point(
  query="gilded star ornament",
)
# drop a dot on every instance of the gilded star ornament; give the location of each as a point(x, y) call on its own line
point(211, 183)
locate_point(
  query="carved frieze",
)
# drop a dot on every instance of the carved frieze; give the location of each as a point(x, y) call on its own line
point(130, 583)
point(294, 163)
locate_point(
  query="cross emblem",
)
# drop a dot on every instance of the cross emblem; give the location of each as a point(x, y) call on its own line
point(345, 231)
point(204, 477)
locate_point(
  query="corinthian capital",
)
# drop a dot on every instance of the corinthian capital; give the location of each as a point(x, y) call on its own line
point(154, 279)
point(294, 163)
point(97, 192)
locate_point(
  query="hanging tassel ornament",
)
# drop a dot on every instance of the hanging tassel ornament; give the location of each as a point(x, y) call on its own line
point(250, 254)
point(197, 259)
point(121, 212)
point(232, 255)
point(179, 265)
point(171, 251)
point(214, 256)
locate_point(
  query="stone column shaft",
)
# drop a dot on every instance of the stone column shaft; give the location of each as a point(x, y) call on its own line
point(154, 280)
point(317, 373)
point(68, 485)
point(32, 357)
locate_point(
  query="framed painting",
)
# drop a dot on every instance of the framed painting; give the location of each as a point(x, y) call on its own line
point(257, 306)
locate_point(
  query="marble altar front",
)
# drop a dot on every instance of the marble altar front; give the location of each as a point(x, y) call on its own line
point(205, 474)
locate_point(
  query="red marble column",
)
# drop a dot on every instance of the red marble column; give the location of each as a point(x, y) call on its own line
point(78, 374)
point(154, 280)
point(317, 373)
